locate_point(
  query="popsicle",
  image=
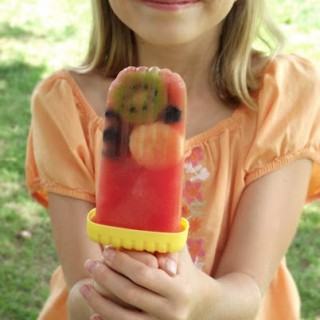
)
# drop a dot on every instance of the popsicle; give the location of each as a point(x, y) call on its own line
point(140, 184)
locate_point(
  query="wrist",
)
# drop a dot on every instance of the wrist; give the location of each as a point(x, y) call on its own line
point(240, 296)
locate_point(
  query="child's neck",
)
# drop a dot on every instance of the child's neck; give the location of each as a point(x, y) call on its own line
point(193, 61)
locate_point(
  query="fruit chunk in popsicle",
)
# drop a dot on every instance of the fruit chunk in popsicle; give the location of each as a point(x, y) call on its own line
point(142, 153)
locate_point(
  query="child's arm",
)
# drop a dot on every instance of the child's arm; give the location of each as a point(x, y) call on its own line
point(266, 221)
point(68, 220)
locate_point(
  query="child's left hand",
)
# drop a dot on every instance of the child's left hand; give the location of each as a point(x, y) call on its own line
point(154, 293)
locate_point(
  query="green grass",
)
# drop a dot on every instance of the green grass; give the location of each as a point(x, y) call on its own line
point(301, 25)
point(37, 37)
point(24, 262)
point(304, 261)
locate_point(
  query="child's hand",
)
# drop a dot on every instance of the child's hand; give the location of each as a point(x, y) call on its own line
point(166, 262)
point(153, 293)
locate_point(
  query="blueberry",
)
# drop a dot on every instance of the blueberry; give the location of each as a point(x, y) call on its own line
point(110, 114)
point(112, 134)
point(171, 114)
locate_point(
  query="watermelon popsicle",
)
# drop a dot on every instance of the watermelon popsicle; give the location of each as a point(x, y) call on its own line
point(140, 183)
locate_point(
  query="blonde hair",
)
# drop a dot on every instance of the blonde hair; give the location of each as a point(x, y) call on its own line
point(112, 48)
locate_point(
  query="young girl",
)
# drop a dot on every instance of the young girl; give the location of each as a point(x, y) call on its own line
point(253, 142)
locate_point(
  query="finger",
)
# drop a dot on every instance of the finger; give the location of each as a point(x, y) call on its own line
point(168, 262)
point(107, 309)
point(128, 292)
point(124, 289)
point(110, 296)
point(144, 257)
point(90, 266)
point(155, 280)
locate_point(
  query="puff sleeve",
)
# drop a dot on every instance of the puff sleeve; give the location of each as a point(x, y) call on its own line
point(287, 123)
point(59, 155)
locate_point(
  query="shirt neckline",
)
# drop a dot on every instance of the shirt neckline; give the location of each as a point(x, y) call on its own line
point(196, 140)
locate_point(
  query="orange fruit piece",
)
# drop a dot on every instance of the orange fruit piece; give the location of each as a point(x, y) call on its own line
point(156, 145)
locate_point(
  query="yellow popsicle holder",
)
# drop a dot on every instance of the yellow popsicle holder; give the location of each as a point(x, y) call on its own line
point(139, 240)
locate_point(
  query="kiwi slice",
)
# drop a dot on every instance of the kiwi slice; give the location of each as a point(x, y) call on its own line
point(139, 96)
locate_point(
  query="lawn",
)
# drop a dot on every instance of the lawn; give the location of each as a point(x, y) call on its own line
point(37, 37)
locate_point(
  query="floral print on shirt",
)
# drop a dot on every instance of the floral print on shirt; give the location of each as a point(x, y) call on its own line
point(193, 202)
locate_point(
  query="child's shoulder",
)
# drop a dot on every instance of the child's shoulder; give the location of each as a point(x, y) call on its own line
point(292, 68)
point(89, 89)
point(289, 93)
point(290, 80)
point(94, 88)
point(50, 84)
point(81, 81)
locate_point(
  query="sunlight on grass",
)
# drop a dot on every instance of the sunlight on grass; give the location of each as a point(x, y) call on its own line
point(47, 30)
point(301, 25)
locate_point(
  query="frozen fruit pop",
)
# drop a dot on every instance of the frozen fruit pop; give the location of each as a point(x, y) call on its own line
point(139, 195)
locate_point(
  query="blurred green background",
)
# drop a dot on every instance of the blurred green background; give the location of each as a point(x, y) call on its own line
point(38, 37)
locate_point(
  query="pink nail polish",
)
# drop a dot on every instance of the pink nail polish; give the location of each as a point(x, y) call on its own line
point(85, 291)
point(171, 266)
point(90, 265)
point(109, 254)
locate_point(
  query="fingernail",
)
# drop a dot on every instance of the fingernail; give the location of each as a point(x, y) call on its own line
point(85, 291)
point(171, 266)
point(109, 254)
point(90, 265)
point(95, 317)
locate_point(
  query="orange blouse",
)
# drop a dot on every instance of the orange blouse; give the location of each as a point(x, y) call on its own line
point(63, 157)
